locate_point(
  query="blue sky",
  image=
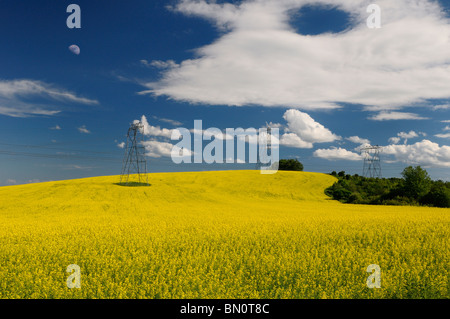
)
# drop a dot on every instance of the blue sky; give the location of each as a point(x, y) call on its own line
point(312, 67)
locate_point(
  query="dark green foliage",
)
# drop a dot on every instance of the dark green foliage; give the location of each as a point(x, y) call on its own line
point(417, 182)
point(290, 165)
point(439, 196)
point(416, 188)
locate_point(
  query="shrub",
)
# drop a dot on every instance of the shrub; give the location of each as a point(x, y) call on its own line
point(439, 196)
point(290, 165)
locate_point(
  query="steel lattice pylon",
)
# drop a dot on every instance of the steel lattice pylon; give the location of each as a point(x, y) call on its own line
point(134, 166)
point(372, 162)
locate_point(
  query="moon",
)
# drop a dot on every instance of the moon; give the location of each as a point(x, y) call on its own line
point(75, 49)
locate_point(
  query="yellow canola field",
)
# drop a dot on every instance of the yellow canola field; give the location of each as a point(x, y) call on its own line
point(228, 234)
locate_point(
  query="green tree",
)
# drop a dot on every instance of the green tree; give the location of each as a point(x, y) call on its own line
point(290, 165)
point(439, 196)
point(417, 182)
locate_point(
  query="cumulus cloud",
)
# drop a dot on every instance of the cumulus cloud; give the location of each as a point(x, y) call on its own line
point(151, 130)
point(15, 97)
point(301, 131)
point(405, 136)
point(159, 149)
point(293, 140)
point(275, 125)
point(307, 129)
point(424, 153)
point(394, 140)
point(260, 59)
point(337, 154)
point(358, 140)
point(121, 145)
point(56, 128)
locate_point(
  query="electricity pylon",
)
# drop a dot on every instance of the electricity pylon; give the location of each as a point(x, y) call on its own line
point(134, 165)
point(372, 163)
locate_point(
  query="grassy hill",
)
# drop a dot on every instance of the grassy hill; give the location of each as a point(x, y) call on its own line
point(228, 234)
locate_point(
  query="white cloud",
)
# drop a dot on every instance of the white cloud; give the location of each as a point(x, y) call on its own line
point(151, 130)
point(84, 130)
point(358, 140)
point(155, 148)
point(409, 135)
point(337, 154)
point(158, 149)
point(441, 107)
point(259, 58)
point(394, 140)
point(15, 98)
point(293, 140)
point(445, 121)
point(121, 145)
point(307, 129)
point(389, 116)
point(172, 122)
point(424, 153)
point(447, 135)
point(159, 64)
point(405, 136)
point(303, 132)
point(275, 125)
point(447, 128)
point(56, 128)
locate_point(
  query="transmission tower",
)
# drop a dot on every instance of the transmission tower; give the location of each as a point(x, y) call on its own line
point(134, 166)
point(372, 163)
point(265, 149)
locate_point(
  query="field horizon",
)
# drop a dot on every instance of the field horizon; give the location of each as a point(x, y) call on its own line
point(215, 234)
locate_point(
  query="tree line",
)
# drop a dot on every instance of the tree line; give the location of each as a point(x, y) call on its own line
point(415, 188)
